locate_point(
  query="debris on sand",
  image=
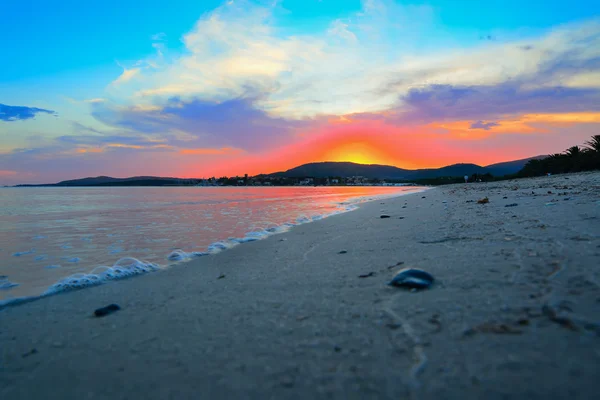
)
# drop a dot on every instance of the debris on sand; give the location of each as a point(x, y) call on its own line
point(511, 205)
point(412, 278)
point(485, 200)
point(367, 275)
point(554, 317)
point(221, 276)
point(30, 352)
point(109, 309)
point(396, 265)
point(492, 327)
point(342, 252)
point(384, 216)
point(435, 320)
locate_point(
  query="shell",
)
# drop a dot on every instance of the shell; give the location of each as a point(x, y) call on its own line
point(413, 278)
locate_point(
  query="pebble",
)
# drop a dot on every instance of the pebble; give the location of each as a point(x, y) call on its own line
point(384, 216)
point(412, 278)
point(111, 308)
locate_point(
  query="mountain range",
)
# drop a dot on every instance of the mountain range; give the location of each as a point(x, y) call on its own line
point(375, 171)
point(322, 170)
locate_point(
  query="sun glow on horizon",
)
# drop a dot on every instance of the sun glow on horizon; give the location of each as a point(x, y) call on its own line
point(356, 152)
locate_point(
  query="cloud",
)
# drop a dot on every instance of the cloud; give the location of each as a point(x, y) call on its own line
point(447, 103)
point(362, 63)
point(483, 125)
point(126, 76)
point(235, 123)
point(20, 113)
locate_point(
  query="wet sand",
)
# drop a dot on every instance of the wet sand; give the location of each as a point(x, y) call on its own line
point(514, 311)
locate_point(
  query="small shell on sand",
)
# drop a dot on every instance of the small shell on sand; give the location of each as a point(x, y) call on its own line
point(412, 278)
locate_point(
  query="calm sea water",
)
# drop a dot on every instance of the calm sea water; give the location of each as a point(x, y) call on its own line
point(95, 234)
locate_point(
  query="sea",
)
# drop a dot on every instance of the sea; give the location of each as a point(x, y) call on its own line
point(57, 239)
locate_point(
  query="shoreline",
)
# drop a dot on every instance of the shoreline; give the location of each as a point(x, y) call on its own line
point(137, 267)
point(513, 311)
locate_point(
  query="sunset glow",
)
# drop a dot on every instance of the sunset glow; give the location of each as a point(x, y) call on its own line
point(250, 86)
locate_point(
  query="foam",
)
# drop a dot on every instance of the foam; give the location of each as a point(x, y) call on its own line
point(5, 284)
point(23, 253)
point(218, 247)
point(124, 268)
point(180, 255)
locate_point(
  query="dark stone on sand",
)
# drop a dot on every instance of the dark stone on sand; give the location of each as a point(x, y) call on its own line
point(384, 216)
point(109, 309)
point(30, 352)
point(342, 252)
point(367, 275)
point(412, 278)
point(221, 276)
point(511, 205)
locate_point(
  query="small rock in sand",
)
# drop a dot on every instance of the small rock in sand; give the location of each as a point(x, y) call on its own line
point(342, 252)
point(485, 200)
point(511, 205)
point(384, 216)
point(412, 278)
point(111, 308)
point(30, 352)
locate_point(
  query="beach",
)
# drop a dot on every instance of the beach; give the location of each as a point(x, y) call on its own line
point(513, 312)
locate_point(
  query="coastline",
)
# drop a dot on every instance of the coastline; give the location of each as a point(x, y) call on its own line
point(128, 266)
point(513, 311)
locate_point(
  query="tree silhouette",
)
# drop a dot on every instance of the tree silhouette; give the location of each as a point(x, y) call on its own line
point(594, 143)
point(573, 151)
point(574, 159)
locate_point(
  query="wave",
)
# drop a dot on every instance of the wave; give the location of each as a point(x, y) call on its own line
point(129, 267)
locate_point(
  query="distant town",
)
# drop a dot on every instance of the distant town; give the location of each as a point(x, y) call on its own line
point(287, 181)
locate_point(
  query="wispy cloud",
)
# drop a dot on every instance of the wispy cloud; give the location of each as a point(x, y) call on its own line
point(126, 76)
point(486, 126)
point(17, 113)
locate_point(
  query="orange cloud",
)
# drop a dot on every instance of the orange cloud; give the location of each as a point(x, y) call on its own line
point(413, 146)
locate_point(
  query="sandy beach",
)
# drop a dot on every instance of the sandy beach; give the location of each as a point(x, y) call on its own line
point(514, 311)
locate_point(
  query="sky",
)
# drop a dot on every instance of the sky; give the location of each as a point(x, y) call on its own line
point(212, 88)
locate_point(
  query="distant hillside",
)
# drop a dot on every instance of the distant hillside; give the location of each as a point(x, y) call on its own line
point(110, 181)
point(510, 167)
point(373, 171)
point(320, 170)
point(343, 170)
point(107, 180)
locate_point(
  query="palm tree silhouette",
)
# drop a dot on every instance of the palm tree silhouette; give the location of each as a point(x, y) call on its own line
point(573, 151)
point(594, 143)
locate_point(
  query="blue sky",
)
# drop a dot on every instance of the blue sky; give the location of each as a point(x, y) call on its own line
point(65, 36)
point(100, 80)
